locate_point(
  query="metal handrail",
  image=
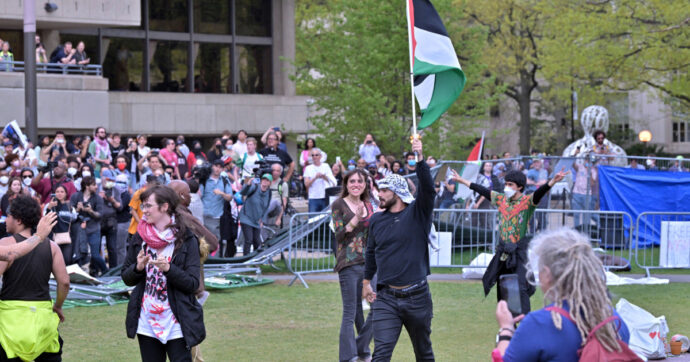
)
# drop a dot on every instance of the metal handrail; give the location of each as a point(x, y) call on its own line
point(86, 69)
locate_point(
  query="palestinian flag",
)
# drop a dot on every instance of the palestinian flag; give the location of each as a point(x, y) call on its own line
point(470, 170)
point(438, 78)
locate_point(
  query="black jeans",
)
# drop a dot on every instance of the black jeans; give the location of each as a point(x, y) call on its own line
point(409, 309)
point(111, 244)
point(43, 357)
point(252, 236)
point(152, 350)
point(352, 347)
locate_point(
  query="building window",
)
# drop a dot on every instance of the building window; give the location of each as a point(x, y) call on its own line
point(680, 131)
point(212, 68)
point(168, 68)
point(253, 17)
point(168, 15)
point(212, 17)
point(124, 63)
point(255, 69)
point(16, 40)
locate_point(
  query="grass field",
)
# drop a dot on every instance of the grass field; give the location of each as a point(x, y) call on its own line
point(280, 323)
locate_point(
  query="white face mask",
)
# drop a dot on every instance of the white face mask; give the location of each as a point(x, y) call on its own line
point(85, 174)
point(72, 171)
point(649, 162)
point(27, 182)
point(509, 192)
point(4, 179)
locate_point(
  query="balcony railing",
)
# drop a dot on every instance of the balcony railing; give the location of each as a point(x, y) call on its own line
point(57, 68)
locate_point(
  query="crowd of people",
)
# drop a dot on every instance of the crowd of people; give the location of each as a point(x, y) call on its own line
point(63, 54)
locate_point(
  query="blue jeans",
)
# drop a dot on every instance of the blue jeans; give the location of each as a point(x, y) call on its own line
point(97, 261)
point(317, 205)
point(353, 316)
point(392, 312)
point(579, 202)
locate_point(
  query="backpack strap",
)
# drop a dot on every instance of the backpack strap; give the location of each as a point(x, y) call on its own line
point(560, 311)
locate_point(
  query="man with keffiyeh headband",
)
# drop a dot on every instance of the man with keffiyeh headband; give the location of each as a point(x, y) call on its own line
point(100, 149)
point(397, 250)
point(515, 209)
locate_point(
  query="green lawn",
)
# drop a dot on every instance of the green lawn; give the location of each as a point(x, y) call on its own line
point(280, 323)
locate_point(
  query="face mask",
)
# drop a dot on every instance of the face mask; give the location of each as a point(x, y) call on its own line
point(4, 179)
point(197, 148)
point(350, 167)
point(26, 181)
point(72, 171)
point(509, 192)
point(649, 162)
point(121, 166)
point(229, 147)
point(411, 163)
point(15, 163)
point(85, 174)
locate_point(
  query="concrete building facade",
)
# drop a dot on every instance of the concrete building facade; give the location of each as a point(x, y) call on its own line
point(193, 67)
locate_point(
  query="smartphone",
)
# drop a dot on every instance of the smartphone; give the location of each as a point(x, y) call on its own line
point(276, 129)
point(337, 159)
point(510, 292)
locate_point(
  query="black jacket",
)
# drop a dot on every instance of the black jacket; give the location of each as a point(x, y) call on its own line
point(183, 281)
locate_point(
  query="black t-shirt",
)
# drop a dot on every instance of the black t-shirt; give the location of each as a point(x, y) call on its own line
point(276, 155)
point(182, 164)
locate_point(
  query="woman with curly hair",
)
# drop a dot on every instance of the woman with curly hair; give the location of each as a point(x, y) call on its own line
point(351, 213)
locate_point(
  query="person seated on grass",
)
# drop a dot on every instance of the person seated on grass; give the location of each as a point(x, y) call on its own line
point(572, 279)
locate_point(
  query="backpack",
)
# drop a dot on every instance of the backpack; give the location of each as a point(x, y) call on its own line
point(593, 350)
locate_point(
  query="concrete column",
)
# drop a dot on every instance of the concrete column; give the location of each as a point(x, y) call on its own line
point(283, 25)
point(50, 39)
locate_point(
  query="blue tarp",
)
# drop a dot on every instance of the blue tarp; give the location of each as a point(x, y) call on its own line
point(637, 191)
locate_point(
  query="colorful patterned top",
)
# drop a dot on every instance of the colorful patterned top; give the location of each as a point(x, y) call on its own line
point(513, 215)
point(351, 245)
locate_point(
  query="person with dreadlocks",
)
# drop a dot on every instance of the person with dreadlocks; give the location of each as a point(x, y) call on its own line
point(515, 209)
point(572, 279)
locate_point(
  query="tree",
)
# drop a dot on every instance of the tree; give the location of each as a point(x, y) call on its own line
point(513, 52)
point(620, 45)
point(353, 59)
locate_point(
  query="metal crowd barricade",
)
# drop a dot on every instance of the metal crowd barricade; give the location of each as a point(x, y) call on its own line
point(467, 232)
point(662, 240)
point(58, 68)
point(312, 244)
point(610, 232)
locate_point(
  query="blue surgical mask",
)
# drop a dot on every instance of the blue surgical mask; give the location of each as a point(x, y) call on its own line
point(412, 163)
point(350, 167)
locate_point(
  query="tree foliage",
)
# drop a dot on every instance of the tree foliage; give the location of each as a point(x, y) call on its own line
point(353, 59)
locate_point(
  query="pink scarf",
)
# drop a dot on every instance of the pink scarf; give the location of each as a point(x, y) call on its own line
point(102, 146)
point(154, 238)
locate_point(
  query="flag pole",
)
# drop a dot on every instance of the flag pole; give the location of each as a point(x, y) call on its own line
point(409, 40)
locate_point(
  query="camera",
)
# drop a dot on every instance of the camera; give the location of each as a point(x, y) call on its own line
point(261, 168)
point(202, 172)
point(369, 142)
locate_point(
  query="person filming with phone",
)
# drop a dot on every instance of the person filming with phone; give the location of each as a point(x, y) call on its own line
point(572, 279)
point(515, 209)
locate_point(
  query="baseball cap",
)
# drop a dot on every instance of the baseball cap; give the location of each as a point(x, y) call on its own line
point(267, 176)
